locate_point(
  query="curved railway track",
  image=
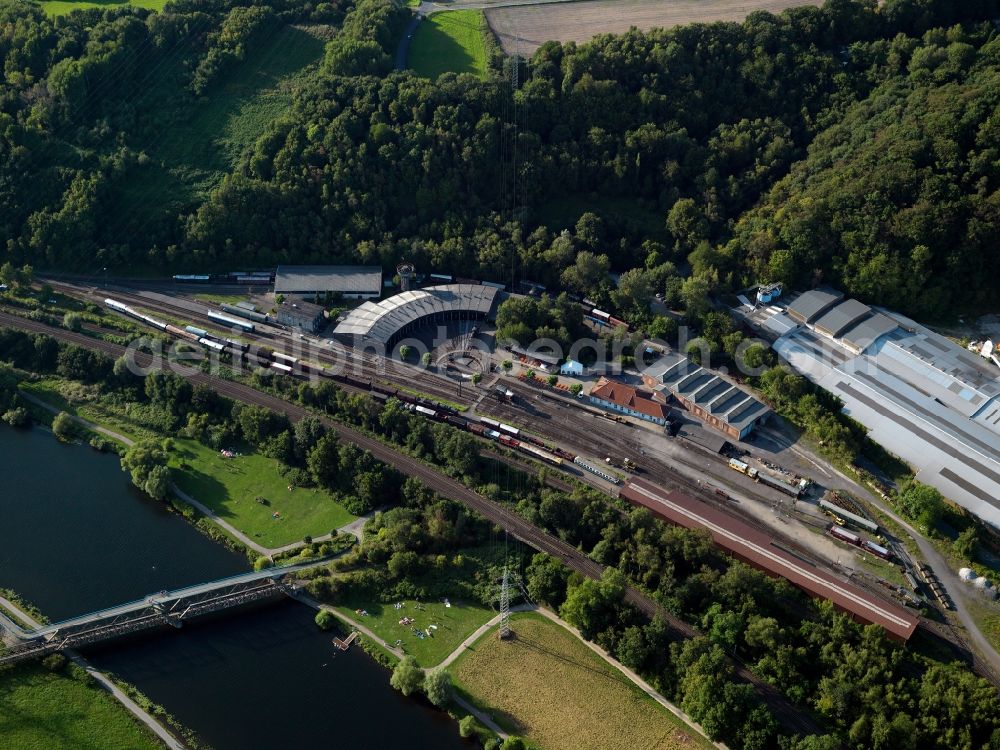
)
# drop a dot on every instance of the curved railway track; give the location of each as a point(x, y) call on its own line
point(351, 363)
point(793, 718)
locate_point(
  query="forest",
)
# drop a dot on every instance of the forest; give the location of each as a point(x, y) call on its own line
point(853, 144)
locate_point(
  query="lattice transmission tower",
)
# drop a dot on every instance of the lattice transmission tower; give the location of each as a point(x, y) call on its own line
point(505, 631)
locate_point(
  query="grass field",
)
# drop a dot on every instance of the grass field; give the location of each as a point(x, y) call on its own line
point(40, 710)
point(449, 42)
point(987, 616)
point(454, 624)
point(523, 29)
point(552, 689)
point(193, 151)
point(62, 7)
point(230, 486)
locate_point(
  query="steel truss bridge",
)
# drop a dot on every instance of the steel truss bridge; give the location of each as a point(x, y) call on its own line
point(165, 608)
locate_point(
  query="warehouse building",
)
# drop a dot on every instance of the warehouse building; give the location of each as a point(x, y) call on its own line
point(922, 396)
point(385, 323)
point(351, 282)
point(808, 306)
point(707, 395)
point(303, 316)
point(625, 399)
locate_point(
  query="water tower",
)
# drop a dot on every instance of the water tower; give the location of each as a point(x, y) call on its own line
point(405, 271)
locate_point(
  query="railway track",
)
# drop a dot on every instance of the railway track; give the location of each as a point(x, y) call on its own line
point(581, 431)
point(794, 719)
point(344, 359)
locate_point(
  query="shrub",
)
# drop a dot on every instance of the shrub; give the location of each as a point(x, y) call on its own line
point(407, 677)
point(62, 426)
point(72, 321)
point(437, 685)
point(54, 662)
point(325, 619)
point(17, 417)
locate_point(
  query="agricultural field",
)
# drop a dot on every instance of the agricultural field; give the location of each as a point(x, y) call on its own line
point(549, 687)
point(62, 7)
point(42, 710)
point(523, 29)
point(448, 626)
point(231, 486)
point(449, 42)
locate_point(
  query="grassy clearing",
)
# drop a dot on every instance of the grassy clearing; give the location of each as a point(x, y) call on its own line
point(549, 687)
point(229, 299)
point(987, 617)
point(85, 402)
point(41, 710)
point(197, 147)
point(454, 624)
point(62, 7)
point(450, 42)
point(230, 486)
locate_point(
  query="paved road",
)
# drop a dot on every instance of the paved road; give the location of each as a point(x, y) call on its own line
point(954, 585)
point(108, 684)
point(432, 477)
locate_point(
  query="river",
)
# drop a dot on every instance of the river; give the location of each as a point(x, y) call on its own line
point(75, 536)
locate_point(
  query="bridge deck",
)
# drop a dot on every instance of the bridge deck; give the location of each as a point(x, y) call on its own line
point(162, 599)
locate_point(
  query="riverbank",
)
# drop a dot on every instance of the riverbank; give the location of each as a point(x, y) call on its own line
point(106, 543)
point(32, 689)
point(275, 516)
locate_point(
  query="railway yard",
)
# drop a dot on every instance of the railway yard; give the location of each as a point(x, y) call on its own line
point(532, 426)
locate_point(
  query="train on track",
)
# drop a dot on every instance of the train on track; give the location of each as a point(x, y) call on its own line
point(243, 278)
point(234, 348)
point(868, 546)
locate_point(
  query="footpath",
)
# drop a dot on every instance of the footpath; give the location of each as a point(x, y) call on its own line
point(483, 718)
point(632, 676)
point(492, 622)
point(354, 528)
point(105, 682)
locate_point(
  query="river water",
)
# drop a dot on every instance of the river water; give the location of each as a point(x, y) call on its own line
point(75, 536)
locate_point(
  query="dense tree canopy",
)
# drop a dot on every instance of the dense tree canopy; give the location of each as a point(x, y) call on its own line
point(851, 143)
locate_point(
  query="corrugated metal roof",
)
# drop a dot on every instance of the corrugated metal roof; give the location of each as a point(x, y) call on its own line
point(865, 333)
point(841, 317)
point(756, 548)
point(810, 305)
point(344, 279)
point(380, 321)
